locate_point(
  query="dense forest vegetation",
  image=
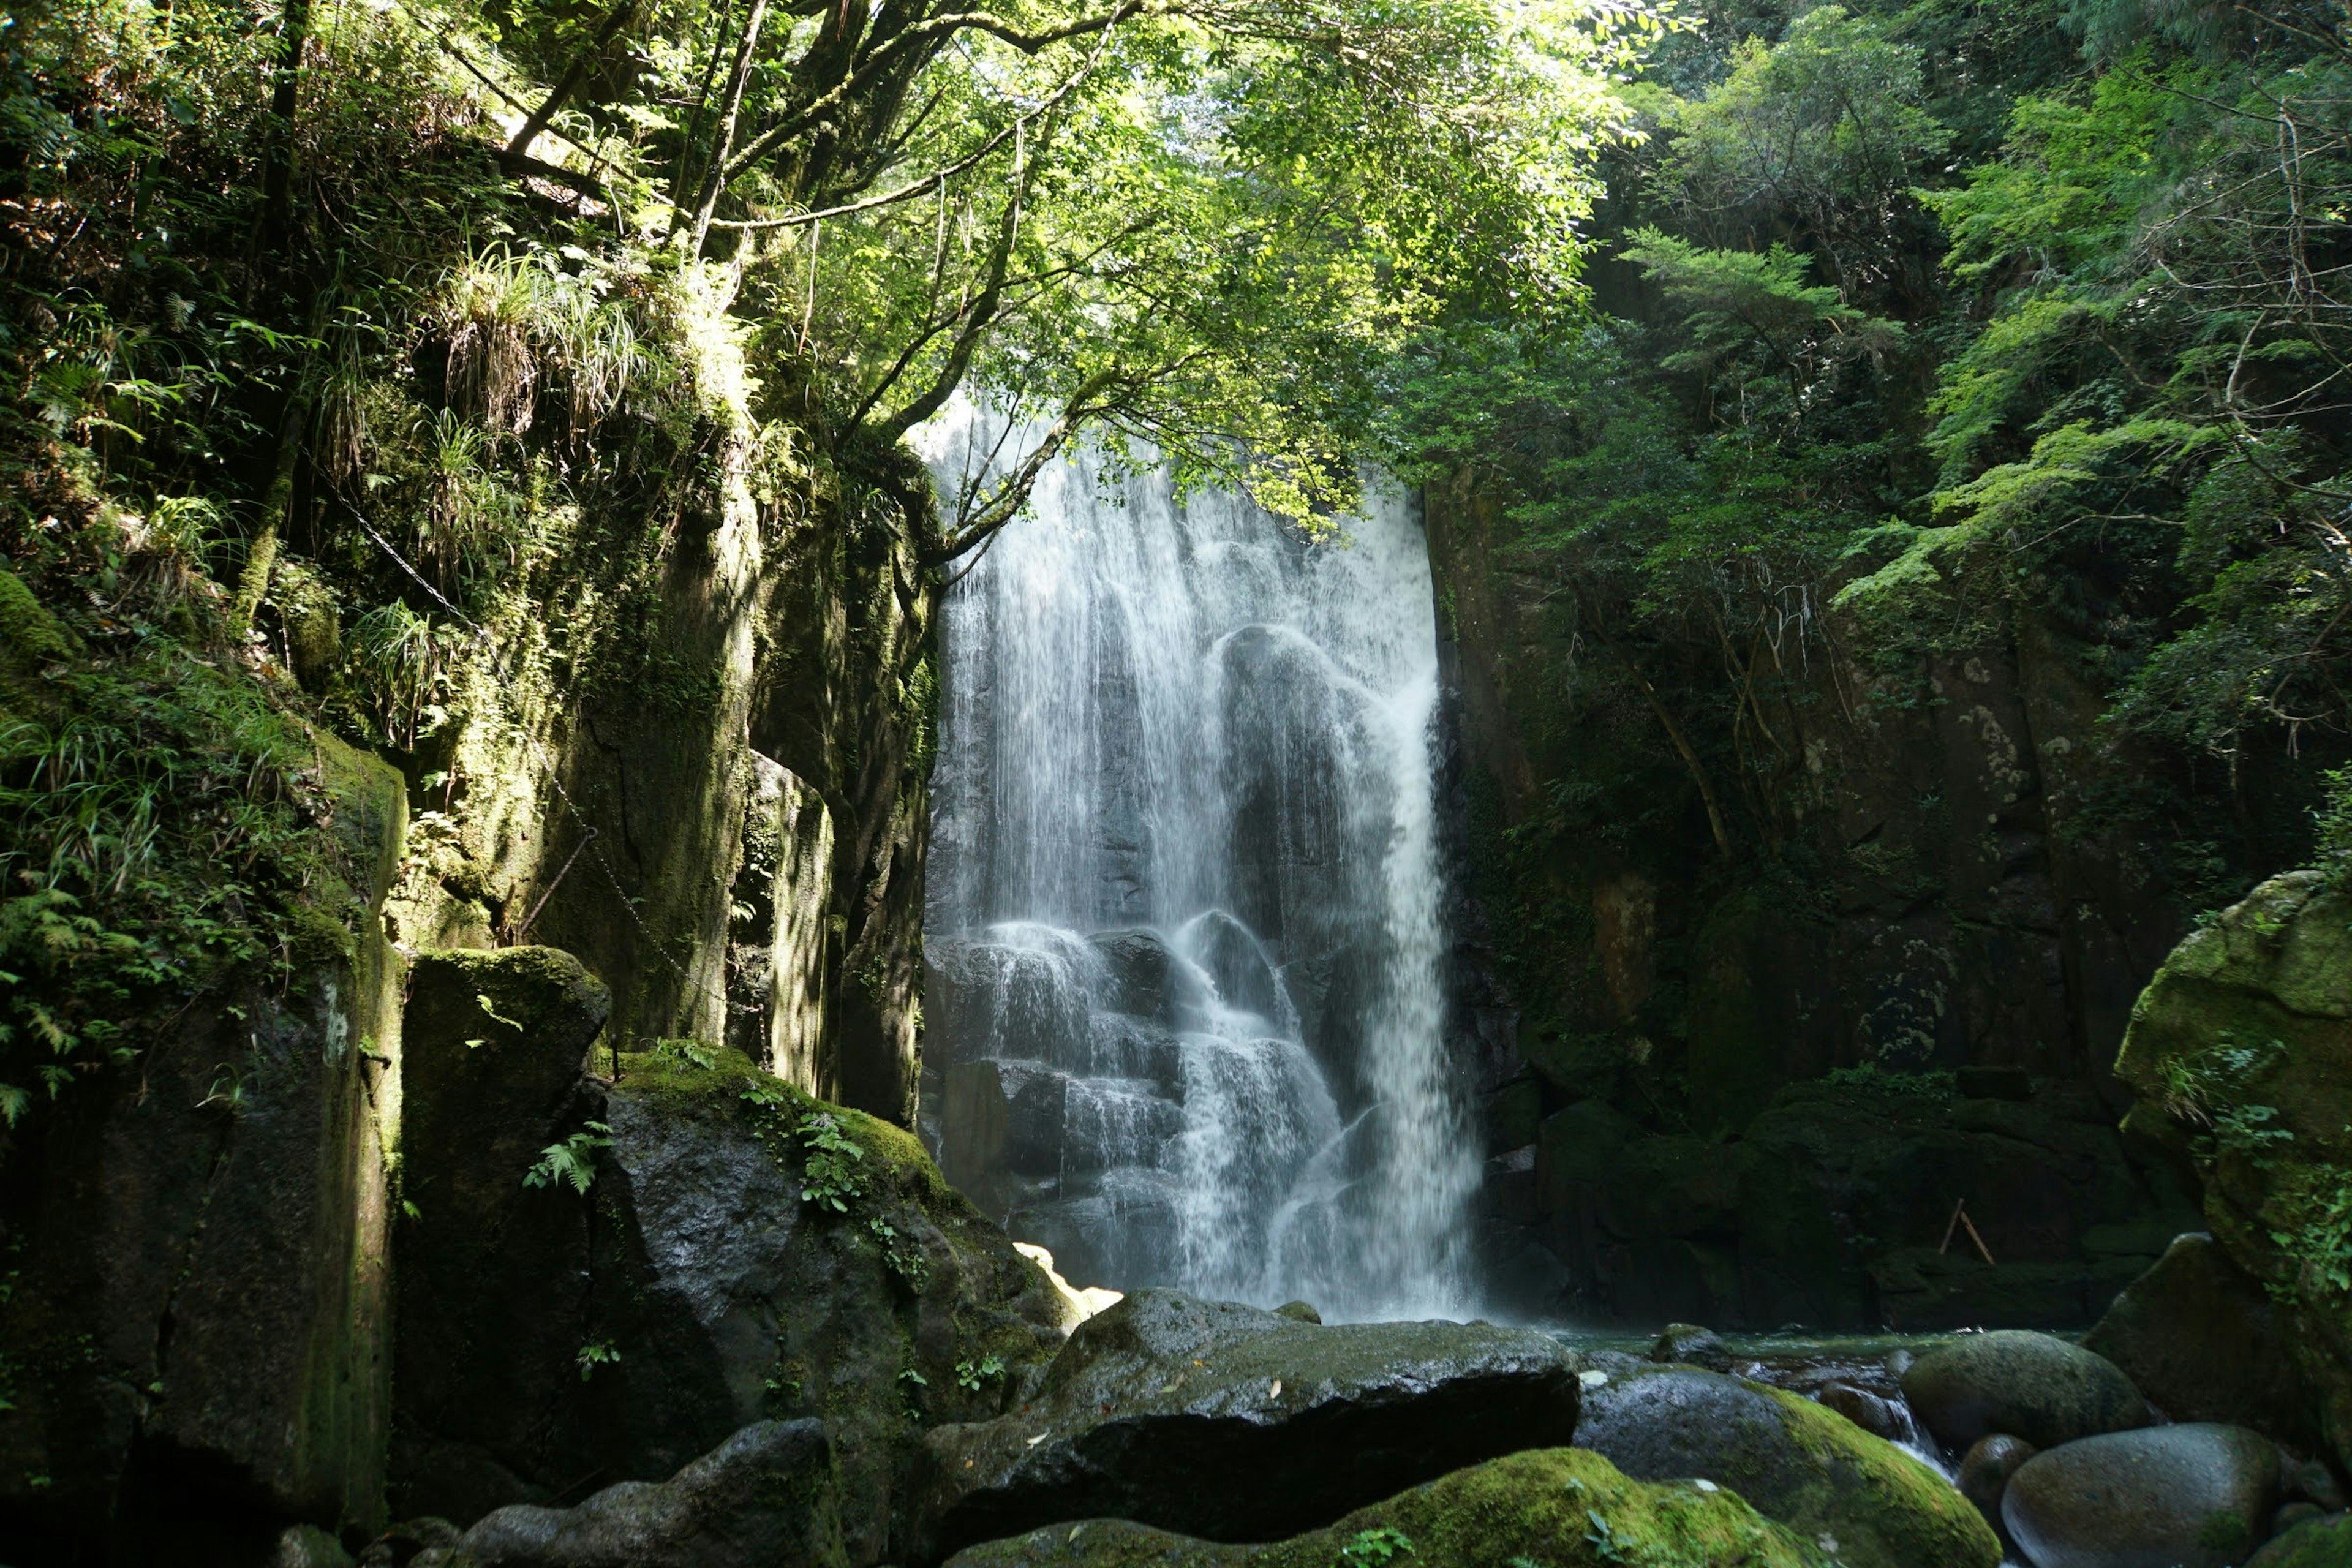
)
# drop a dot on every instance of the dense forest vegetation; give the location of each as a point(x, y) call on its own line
point(469, 683)
point(383, 349)
point(335, 331)
point(1909, 326)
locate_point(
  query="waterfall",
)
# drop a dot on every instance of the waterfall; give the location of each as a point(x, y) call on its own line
point(1184, 1021)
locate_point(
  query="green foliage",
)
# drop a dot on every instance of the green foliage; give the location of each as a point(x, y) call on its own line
point(596, 1353)
point(2317, 1236)
point(1907, 1085)
point(833, 1172)
point(573, 1161)
point(2332, 841)
point(2208, 1089)
point(904, 1256)
point(162, 837)
point(973, 1376)
point(1375, 1547)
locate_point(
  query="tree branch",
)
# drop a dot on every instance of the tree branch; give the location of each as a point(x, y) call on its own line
point(615, 20)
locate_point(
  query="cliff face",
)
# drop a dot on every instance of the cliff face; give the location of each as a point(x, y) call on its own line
point(1928, 903)
point(685, 739)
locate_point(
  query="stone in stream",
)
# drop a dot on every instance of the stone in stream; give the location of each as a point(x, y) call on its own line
point(1986, 1469)
point(762, 1498)
point(2192, 1496)
point(1806, 1467)
point(1234, 1423)
point(1866, 1410)
point(2027, 1385)
point(1692, 1345)
point(1563, 1508)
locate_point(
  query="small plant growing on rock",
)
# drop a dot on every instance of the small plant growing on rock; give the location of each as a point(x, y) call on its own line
point(2208, 1088)
point(834, 1175)
point(572, 1161)
point(1373, 1548)
point(906, 1260)
point(971, 1376)
point(596, 1353)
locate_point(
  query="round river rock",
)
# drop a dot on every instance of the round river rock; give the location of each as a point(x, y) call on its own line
point(2026, 1385)
point(2193, 1496)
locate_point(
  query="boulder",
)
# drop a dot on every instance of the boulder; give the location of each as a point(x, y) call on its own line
point(2027, 1385)
point(2193, 1496)
point(1563, 1507)
point(1986, 1469)
point(1879, 1417)
point(2248, 1029)
point(2311, 1480)
point(2200, 1337)
point(1808, 1469)
point(2323, 1543)
point(763, 1498)
point(1234, 1424)
point(1691, 1346)
point(696, 1290)
point(307, 1546)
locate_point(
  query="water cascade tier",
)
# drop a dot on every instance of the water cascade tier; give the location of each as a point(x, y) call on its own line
point(1184, 1022)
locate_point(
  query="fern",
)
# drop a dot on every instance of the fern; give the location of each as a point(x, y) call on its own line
point(572, 1161)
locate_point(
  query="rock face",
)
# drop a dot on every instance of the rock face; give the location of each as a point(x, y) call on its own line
point(760, 1499)
point(694, 1290)
point(1799, 1464)
point(490, 1277)
point(1234, 1424)
point(2192, 1496)
point(200, 1296)
point(1562, 1506)
point(1962, 908)
point(2243, 1035)
point(1830, 1207)
point(2200, 1337)
point(2026, 1385)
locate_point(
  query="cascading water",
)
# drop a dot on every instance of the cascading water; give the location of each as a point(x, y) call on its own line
point(1185, 1023)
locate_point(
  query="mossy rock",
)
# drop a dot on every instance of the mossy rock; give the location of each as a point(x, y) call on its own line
point(1223, 1421)
point(30, 636)
point(715, 1290)
point(2316, 1543)
point(2241, 1053)
point(1560, 1507)
point(1797, 1462)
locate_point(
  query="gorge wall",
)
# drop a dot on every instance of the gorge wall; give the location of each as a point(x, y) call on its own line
point(1755, 1090)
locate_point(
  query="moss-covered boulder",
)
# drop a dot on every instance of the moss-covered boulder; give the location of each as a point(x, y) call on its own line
point(2240, 1054)
point(2030, 1386)
point(1798, 1463)
point(740, 1253)
point(1563, 1507)
point(1234, 1423)
point(2316, 1543)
